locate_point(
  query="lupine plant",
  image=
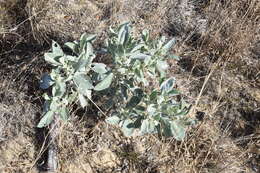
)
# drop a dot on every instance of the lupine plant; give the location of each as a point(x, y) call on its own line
point(141, 93)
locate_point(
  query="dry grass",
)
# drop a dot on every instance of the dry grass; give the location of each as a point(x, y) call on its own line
point(219, 74)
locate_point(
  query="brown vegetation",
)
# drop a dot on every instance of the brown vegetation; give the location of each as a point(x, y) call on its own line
point(219, 74)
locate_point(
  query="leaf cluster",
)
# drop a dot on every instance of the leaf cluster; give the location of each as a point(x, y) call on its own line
point(74, 78)
point(139, 89)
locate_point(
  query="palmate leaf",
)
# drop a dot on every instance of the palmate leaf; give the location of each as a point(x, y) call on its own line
point(105, 83)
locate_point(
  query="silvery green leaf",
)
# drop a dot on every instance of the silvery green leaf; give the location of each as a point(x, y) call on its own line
point(83, 101)
point(162, 66)
point(46, 81)
point(99, 68)
point(178, 130)
point(54, 105)
point(46, 119)
point(83, 82)
point(71, 58)
point(127, 127)
point(122, 70)
point(91, 37)
point(137, 48)
point(82, 62)
point(139, 56)
point(166, 127)
point(160, 99)
point(112, 30)
point(105, 83)
point(73, 46)
point(88, 94)
point(122, 36)
point(123, 33)
point(148, 127)
point(89, 50)
point(182, 113)
point(176, 57)
point(161, 42)
point(56, 49)
point(72, 97)
point(52, 58)
point(169, 45)
point(167, 85)
point(46, 97)
point(114, 120)
point(173, 92)
point(145, 35)
point(151, 110)
point(148, 61)
point(59, 89)
point(64, 113)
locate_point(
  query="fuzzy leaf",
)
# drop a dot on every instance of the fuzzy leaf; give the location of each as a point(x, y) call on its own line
point(139, 56)
point(73, 46)
point(83, 101)
point(169, 45)
point(123, 33)
point(127, 128)
point(59, 88)
point(64, 113)
point(82, 62)
point(178, 130)
point(148, 127)
point(162, 66)
point(167, 85)
point(46, 119)
point(99, 68)
point(114, 120)
point(52, 58)
point(83, 82)
point(176, 57)
point(56, 49)
point(105, 83)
